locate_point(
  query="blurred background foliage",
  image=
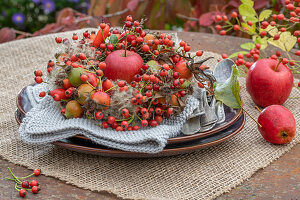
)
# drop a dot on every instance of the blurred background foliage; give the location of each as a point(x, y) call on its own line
point(26, 18)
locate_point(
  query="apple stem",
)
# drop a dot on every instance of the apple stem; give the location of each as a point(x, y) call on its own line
point(125, 43)
point(280, 60)
point(257, 108)
point(252, 117)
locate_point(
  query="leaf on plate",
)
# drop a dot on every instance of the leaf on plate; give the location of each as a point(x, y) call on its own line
point(248, 45)
point(229, 91)
point(264, 15)
point(236, 53)
point(286, 41)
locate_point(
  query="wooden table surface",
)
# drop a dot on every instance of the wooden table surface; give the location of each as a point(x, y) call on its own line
point(280, 180)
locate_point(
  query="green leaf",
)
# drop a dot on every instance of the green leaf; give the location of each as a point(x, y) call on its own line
point(286, 41)
point(246, 10)
point(251, 29)
point(248, 2)
point(236, 53)
point(229, 91)
point(247, 46)
point(113, 39)
point(250, 18)
point(262, 41)
point(265, 14)
point(271, 30)
point(153, 65)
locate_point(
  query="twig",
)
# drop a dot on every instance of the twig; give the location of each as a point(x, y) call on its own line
point(252, 118)
point(257, 108)
point(186, 17)
point(121, 12)
point(23, 33)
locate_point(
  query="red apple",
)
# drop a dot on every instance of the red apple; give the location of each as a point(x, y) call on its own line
point(268, 86)
point(120, 67)
point(278, 124)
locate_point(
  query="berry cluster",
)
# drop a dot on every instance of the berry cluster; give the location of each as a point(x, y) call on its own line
point(83, 82)
point(22, 185)
point(267, 29)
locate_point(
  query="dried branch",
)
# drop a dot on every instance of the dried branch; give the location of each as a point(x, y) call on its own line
point(121, 12)
point(23, 33)
point(186, 17)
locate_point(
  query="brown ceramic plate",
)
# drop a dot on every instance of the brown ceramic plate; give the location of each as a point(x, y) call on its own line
point(89, 147)
point(232, 115)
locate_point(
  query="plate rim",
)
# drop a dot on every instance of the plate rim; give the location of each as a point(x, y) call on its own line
point(129, 154)
point(162, 153)
point(174, 140)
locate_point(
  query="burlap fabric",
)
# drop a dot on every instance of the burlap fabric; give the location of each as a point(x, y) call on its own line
point(201, 175)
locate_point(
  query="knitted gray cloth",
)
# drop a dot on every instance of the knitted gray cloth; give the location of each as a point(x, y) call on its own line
point(44, 123)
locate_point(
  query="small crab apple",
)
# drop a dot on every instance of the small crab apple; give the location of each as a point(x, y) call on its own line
point(83, 77)
point(35, 189)
point(111, 120)
point(75, 36)
point(234, 14)
point(38, 72)
point(42, 94)
point(22, 192)
point(187, 48)
point(144, 123)
point(25, 184)
point(125, 112)
point(278, 125)
point(99, 115)
point(58, 40)
point(224, 56)
point(153, 123)
point(223, 32)
point(73, 109)
point(199, 53)
point(38, 79)
point(182, 43)
point(101, 98)
point(33, 183)
point(105, 125)
point(263, 33)
point(37, 172)
point(124, 124)
point(86, 34)
point(236, 27)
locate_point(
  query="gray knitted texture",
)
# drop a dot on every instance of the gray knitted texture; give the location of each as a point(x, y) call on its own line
point(44, 124)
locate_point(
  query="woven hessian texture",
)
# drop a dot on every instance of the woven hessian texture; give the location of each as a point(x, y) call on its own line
point(200, 175)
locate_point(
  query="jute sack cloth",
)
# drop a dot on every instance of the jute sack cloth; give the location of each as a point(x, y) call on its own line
point(200, 175)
